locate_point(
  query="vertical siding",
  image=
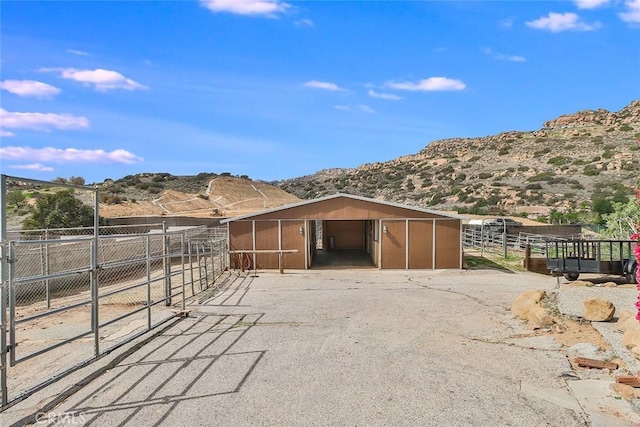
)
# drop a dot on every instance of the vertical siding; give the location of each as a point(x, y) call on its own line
point(421, 244)
point(267, 238)
point(240, 237)
point(393, 244)
point(292, 239)
point(448, 244)
point(346, 234)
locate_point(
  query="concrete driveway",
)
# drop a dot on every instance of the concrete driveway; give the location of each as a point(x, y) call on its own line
point(362, 347)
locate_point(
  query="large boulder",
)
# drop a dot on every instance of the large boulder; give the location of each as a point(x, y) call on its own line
point(540, 317)
point(597, 310)
point(525, 302)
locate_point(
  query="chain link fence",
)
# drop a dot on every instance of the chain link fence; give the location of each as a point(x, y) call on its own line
point(72, 295)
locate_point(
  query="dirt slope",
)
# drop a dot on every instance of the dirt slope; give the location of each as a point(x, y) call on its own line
point(225, 196)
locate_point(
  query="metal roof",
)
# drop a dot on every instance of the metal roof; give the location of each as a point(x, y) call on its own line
point(336, 196)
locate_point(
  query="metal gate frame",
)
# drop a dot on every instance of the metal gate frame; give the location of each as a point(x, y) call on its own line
point(175, 246)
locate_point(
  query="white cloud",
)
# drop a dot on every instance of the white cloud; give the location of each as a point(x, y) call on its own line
point(304, 23)
point(78, 52)
point(503, 57)
point(590, 4)
point(41, 121)
point(102, 80)
point(355, 108)
point(430, 84)
point(26, 88)
point(557, 22)
point(633, 13)
point(388, 96)
point(39, 167)
point(68, 155)
point(6, 134)
point(268, 8)
point(323, 85)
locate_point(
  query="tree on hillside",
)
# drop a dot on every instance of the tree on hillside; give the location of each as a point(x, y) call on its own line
point(77, 180)
point(59, 210)
point(16, 198)
point(620, 224)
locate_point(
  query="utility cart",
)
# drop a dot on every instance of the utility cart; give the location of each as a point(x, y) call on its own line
point(569, 258)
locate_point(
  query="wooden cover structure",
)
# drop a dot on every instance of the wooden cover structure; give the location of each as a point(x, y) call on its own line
point(395, 236)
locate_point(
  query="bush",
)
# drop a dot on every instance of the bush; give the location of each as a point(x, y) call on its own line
point(543, 176)
point(558, 160)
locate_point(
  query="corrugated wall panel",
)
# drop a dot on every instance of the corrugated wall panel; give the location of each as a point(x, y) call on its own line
point(292, 239)
point(394, 244)
point(267, 238)
point(346, 234)
point(240, 237)
point(448, 244)
point(421, 244)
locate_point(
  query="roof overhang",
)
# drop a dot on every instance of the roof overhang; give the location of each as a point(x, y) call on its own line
point(337, 196)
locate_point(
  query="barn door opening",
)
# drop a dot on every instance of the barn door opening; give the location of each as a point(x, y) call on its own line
point(343, 244)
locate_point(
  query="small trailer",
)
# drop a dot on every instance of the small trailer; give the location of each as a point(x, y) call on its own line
point(569, 258)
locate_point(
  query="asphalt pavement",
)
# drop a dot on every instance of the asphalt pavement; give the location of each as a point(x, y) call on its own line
point(360, 347)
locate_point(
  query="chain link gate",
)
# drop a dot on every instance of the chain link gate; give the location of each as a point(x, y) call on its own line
point(76, 294)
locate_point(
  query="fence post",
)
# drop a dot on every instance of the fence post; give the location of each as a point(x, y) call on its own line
point(47, 267)
point(166, 264)
point(183, 238)
point(3, 290)
point(193, 292)
point(148, 255)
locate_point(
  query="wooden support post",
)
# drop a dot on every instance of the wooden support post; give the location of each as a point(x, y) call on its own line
point(280, 266)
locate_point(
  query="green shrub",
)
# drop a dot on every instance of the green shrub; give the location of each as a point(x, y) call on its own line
point(543, 176)
point(590, 170)
point(558, 160)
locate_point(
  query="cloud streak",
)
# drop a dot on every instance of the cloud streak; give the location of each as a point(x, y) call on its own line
point(38, 167)
point(68, 155)
point(429, 85)
point(265, 8)
point(558, 22)
point(503, 57)
point(78, 52)
point(315, 84)
point(388, 96)
point(590, 4)
point(44, 122)
point(29, 88)
point(102, 80)
point(355, 108)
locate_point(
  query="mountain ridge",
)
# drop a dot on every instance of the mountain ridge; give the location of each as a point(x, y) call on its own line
point(568, 162)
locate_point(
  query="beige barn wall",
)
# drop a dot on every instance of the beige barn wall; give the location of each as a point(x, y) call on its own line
point(346, 234)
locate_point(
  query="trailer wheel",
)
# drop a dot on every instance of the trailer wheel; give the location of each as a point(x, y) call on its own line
point(571, 276)
point(632, 277)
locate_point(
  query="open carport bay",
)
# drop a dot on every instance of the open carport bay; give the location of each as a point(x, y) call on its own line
point(361, 347)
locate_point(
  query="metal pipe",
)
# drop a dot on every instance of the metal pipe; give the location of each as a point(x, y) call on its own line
point(3, 290)
point(12, 305)
point(148, 253)
point(183, 273)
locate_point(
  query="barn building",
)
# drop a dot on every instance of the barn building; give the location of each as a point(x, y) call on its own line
point(388, 235)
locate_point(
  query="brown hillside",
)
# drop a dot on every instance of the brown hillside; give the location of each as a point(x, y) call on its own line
point(224, 196)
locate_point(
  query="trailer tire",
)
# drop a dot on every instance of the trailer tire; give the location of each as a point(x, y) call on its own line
point(632, 276)
point(571, 276)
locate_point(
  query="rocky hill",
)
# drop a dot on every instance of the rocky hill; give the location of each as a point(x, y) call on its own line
point(567, 163)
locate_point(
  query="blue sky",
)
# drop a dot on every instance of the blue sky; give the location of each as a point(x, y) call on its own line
point(279, 89)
